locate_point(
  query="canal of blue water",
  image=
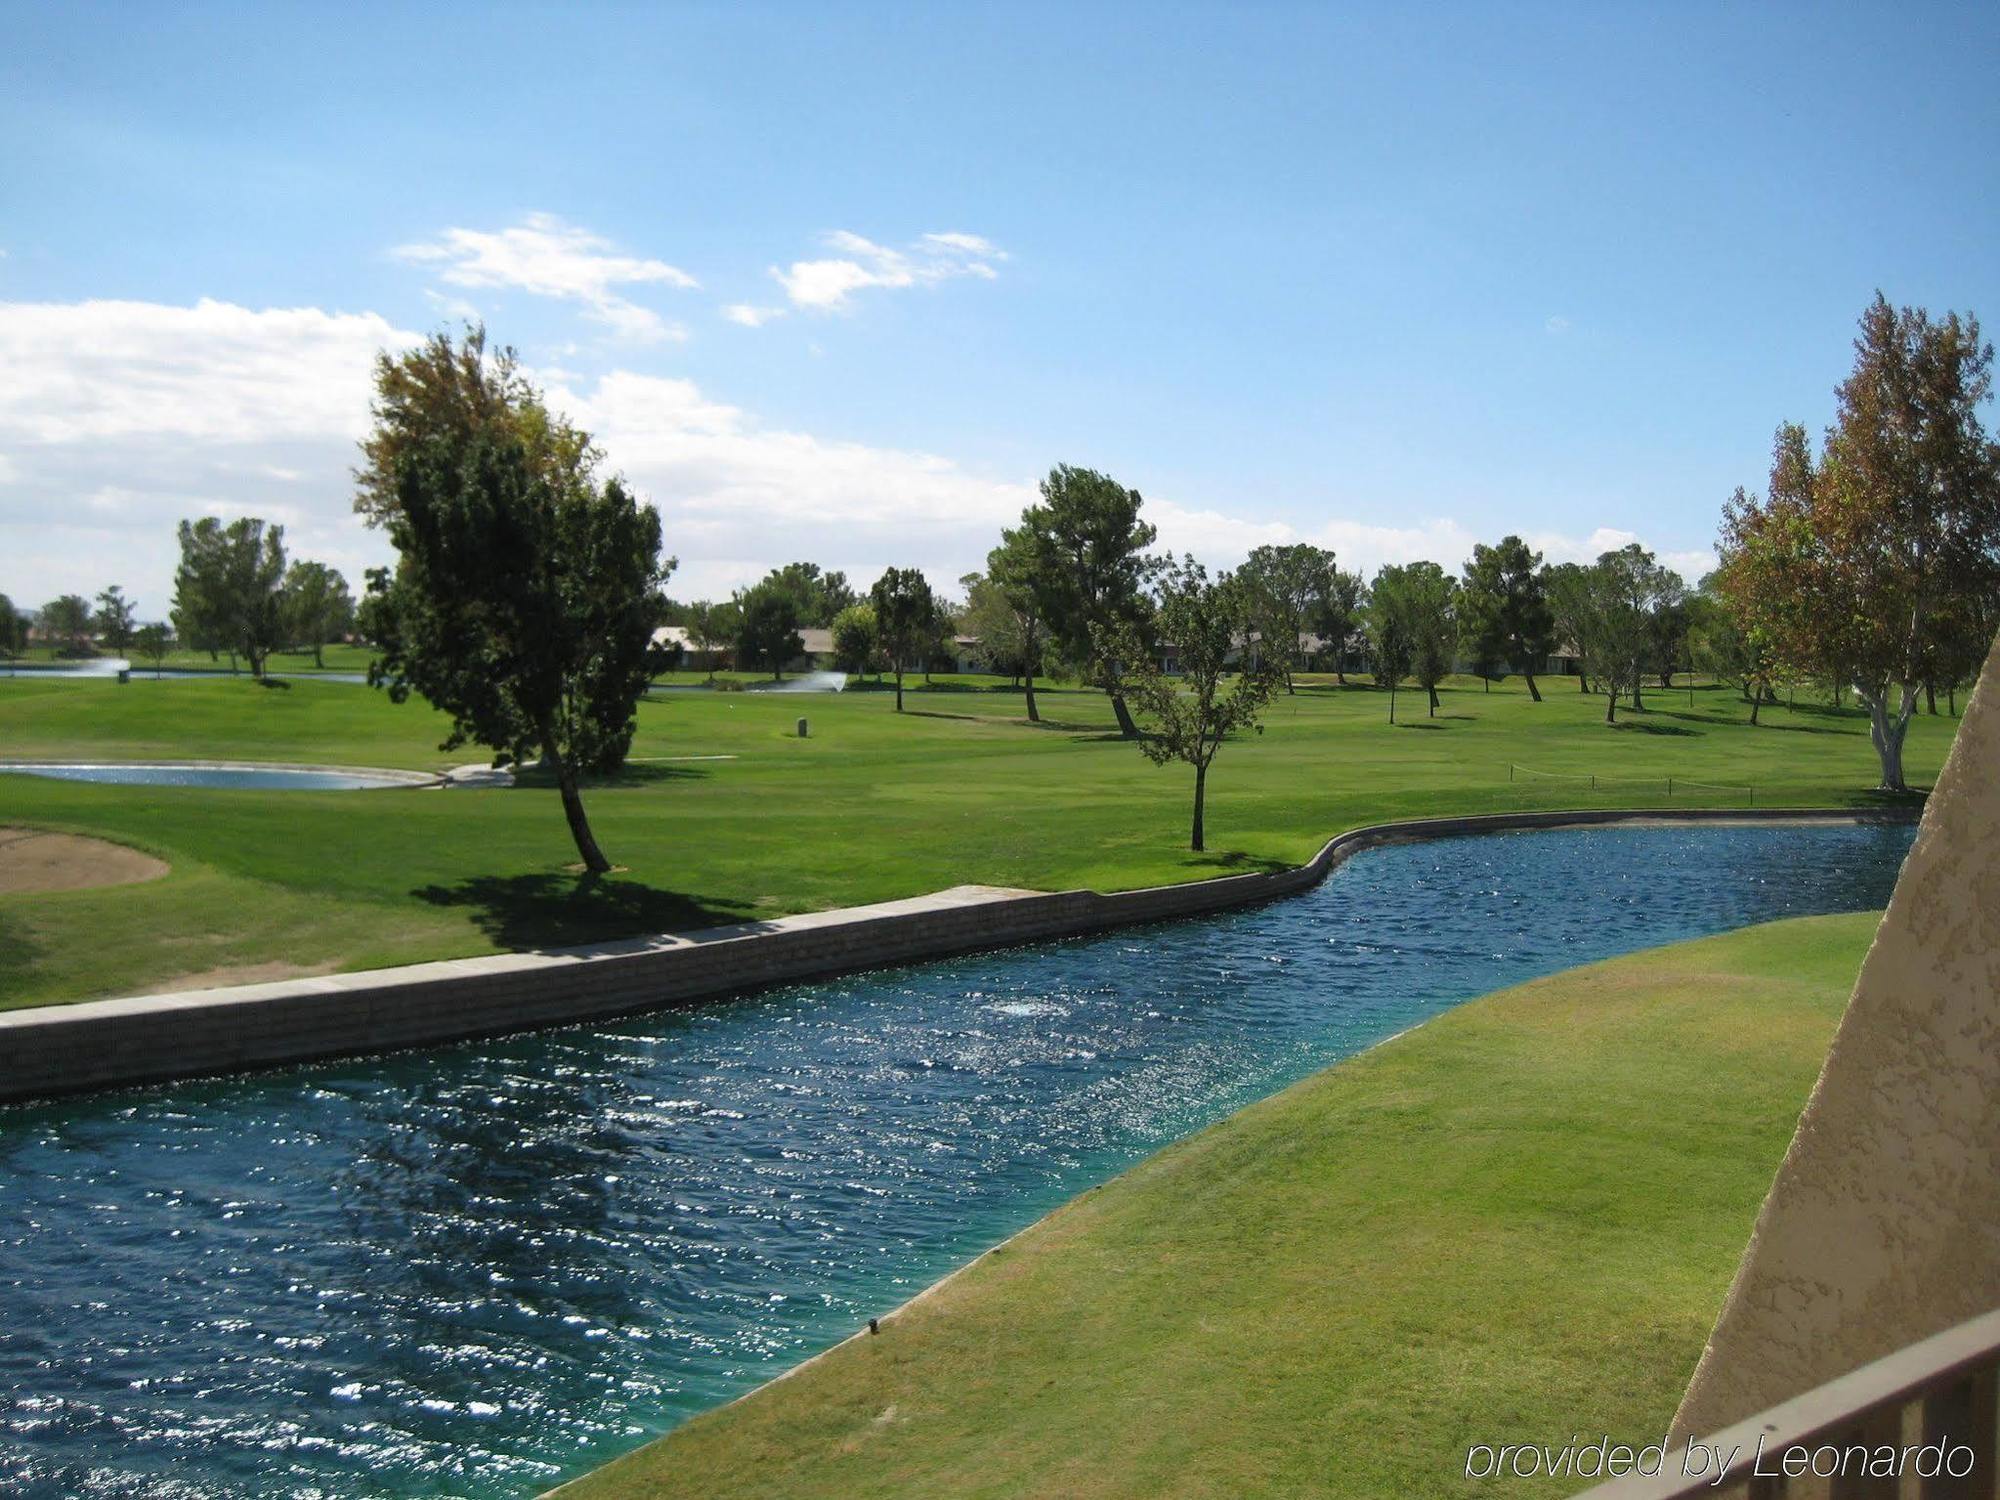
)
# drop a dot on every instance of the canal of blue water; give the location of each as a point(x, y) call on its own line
point(476, 1270)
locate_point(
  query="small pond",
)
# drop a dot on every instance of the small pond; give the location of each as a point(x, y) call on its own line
point(239, 778)
point(475, 1270)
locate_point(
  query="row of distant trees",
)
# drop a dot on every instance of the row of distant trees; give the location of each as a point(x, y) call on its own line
point(234, 595)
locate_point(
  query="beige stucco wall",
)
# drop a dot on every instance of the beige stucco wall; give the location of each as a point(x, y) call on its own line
point(1883, 1226)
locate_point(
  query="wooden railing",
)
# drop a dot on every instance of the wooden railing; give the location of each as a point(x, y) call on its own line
point(1918, 1425)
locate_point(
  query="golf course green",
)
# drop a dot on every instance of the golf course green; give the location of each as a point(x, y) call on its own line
point(725, 814)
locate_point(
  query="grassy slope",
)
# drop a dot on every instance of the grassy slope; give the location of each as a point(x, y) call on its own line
point(873, 806)
point(1513, 1224)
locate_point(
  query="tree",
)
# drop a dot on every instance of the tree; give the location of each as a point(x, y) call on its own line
point(525, 595)
point(153, 642)
point(905, 616)
point(1391, 631)
point(1013, 568)
point(821, 596)
point(1721, 647)
point(115, 617)
point(1190, 716)
point(67, 620)
point(1341, 616)
point(1667, 627)
point(1506, 607)
point(1431, 597)
point(1287, 589)
point(1864, 556)
point(1089, 552)
point(1625, 586)
point(317, 606)
point(710, 628)
point(1572, 604)
point(451, 391)
point(13, 632)
point(989, 617)
point(767, 626)
point(856, 642)
point(227, 589)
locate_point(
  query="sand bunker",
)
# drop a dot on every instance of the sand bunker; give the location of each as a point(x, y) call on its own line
point(34, 861)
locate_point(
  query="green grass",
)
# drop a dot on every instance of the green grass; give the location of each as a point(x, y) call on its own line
point(873, 806)
point(333, 659)
point(1514, 1224)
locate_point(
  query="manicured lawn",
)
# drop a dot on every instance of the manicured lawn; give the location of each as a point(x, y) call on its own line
point(332, 659)
point(872, 806)
point(1514, 1224)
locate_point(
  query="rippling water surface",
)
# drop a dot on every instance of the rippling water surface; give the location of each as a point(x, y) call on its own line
point(476, 1270)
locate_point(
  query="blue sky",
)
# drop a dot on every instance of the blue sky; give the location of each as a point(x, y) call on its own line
point(1391, 278)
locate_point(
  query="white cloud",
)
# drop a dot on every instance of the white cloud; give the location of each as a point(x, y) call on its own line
point(827, 285)
point(750, 315)
point(547, 257)
point(1557, 324)
point(119, 418)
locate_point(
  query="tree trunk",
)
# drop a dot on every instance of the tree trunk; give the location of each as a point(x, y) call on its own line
point(1200, 795)
point(1930, 698)
point(1582, 683)
point(1887, 733)
point(1489, 683)
point(318, 659)
point(1033, 716)
point(1951, 699)
point(1754, 706)
point(1611, 705)
point(1288, 683)
point(1636, 704)
point(572, 801)
point(1534, 692)
point(1339, 676)
point(1431, 687)
point(899, 687)
point(1126, 726)
point(1392, 700)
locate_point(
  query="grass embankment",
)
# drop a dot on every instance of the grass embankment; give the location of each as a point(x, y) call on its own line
point(873, 806)
point(1514, 1224)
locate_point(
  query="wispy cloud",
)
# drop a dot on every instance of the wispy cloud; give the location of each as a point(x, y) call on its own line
point(546, 257)
point(750, 315)
point(828, 284)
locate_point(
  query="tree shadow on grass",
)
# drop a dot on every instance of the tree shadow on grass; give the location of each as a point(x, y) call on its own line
point(937, 713)
point(630, 774)
point(1641, 726)
point(1090, 734)
point(525, 913)
point(1236, 862)
point(1767, 722)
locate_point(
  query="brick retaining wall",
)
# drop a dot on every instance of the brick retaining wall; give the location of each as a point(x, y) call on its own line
point(55, 1049)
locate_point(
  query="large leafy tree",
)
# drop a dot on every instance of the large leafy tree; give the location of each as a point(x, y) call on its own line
point(711, 628)
point(906, 614)
point(1505, 608)
point(1190, 716)
point(13, 632)
point(67, 620)
point(525, 595)
point(821, 595)
point(1015, 569)
point(1626, 589)
point(768, 617)
point(153, 642)
point(990, 618)
point(1287, 590)
point(228, 588)
point(116, 619)
point(1341, 616)
point(1090, 554)
point(1391, 631)
point(318, 607)
point(856, 642)
point(1866, 555)
point(1413, 627)
point(1572, 608)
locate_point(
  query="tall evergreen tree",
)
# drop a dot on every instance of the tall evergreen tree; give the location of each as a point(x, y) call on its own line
point(1506, 607)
